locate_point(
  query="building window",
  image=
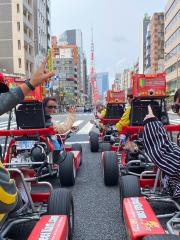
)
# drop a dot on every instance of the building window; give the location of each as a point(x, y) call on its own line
point(70, 68)
point(66, 68)
point(160, 26)
point(18, 9)
point(174, 51)
point(171, 8)
point(160, 17)
point(19, 62)
point(70, 62)
point(66, 62)
point(173, 36)
point(18, 26)
point(57, 62)
point(160, 43)
point(160, 51)
point(19, 44)
point(173, 21)
point(54, 68)
point(160, 34)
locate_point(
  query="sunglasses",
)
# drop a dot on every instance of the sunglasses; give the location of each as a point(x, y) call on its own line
point(175, 108)
point(51, 107)
point(130, 96)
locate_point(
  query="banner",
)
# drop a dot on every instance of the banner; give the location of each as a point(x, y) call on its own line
point(50, 62)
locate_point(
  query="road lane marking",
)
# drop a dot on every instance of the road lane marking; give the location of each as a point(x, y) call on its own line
point(77, 123)
point(86, 129)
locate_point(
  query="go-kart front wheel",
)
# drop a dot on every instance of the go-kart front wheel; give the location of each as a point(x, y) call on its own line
point(77, 147)
point(60, 202)
point(110, 168)
point(161, 237)
point(129, 186)
point(67, 170)
point(94, 142)
point(105, 147)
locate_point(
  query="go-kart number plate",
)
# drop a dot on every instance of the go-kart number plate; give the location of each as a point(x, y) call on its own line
point(24, 145)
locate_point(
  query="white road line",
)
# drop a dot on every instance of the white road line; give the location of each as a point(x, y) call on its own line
point(12, 127)
point(86, 129)
point(5, 122)
point(175, 122)
point(77, 123)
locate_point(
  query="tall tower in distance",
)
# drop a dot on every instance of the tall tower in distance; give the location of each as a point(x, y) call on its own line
point(96, 95)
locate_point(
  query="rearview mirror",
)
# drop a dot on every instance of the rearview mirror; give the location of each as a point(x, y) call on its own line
point(92, 122)
point(74, 128)
point(129, 147)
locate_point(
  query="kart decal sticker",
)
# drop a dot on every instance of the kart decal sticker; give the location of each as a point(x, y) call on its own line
point(147, 225)
point(142, 82)
point(46, 232)
point(139, 222)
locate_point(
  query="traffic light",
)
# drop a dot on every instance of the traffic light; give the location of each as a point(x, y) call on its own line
point(81, 91)
point(69, 79)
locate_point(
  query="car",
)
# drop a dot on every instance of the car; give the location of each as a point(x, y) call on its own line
point(54, 209)
point(79, 108)
point(87, 108)
point(31, 143)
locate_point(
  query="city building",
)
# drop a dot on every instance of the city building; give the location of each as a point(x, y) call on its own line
point(137, 66)
point(126, 81)
point(64, 66)
point(142, 45)
point(17, 31)
point(102, 82)
point(42, 32)
point(148, 49)
point(119, 77)
point(172, 43)
point(157, 42)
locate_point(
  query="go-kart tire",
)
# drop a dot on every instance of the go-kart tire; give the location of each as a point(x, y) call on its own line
point(105, 147)
point(77, 147)
point(110, 168)
point(129, 187)
point(91, 132)
point(161, 237)
point(67, 170)
point(60, 202)
point(94, 142)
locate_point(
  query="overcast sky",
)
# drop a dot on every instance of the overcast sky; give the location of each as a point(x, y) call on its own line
point(115, 24)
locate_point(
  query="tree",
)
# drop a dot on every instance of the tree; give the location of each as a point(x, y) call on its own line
point(146, 17)
point(170, 92)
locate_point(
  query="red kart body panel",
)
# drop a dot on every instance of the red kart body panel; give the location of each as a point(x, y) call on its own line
point(140, 219)
point(151, 85)
point(115, 96)
point(77, 156)
point(103, 120)
point(169, 128)
point(50, 228)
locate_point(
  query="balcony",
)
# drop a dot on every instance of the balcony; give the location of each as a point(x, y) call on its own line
point(148, 52)
point(28, 39)
point(148, 35)
point(148, 43)
point(29, 58)
point(27, 22)
point(27, 6)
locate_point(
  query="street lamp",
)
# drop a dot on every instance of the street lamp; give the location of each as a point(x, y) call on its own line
point(178, 56)
point(25, 54)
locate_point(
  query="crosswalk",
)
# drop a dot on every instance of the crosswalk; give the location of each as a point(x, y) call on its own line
point(84, 127)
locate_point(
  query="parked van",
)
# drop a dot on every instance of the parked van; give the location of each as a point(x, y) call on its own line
point(79, 108)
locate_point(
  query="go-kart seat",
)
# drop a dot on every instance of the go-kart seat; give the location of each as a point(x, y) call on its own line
point(31, 115)
point(139, 109)
point(114, 111)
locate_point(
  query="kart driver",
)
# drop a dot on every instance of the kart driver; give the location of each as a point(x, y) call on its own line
point(50, 106)
point(163, 153)
point(10, 196)
point(102, 110)
point(125, 120)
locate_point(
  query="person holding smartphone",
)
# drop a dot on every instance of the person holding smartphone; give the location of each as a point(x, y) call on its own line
point(163, 153)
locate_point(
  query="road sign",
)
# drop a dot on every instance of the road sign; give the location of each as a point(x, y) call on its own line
point(50, 62)
point(62, 74)
point(47, 85)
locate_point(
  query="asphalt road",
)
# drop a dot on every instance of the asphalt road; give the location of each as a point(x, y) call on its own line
point(97, 209)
